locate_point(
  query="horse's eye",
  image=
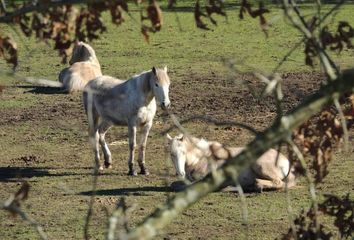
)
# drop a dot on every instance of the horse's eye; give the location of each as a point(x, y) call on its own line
point(156, 85)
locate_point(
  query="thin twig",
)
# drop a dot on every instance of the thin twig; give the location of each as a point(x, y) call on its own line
point(343, 123)
point(3, 7)
point(298, 44)
point(289, 208)
point(288, 54)
point(244, 209)
point(299, 22)
point(309, 178)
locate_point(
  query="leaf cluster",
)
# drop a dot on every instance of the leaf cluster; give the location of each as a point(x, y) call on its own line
point(341, 208)
point(335, 41)
point(320, 135)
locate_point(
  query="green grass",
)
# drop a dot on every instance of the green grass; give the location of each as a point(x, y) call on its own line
point(54, 130)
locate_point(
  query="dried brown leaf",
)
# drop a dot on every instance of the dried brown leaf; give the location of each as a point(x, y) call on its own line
point(247, 7)
point(198, 14)
point(154, 13)
point(8, 50)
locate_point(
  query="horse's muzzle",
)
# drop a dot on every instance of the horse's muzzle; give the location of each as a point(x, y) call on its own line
point(165, 106)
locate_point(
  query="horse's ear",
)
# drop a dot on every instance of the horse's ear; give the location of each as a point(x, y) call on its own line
point(169, 138)
point(165, 69)
point(180, 137)
point(154, 70)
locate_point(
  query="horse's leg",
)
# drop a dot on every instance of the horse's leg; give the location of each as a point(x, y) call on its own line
point(132, 144)
point(142, 146)
point(263, 184)
point(102, 129)
point(94, 138)
point(93, 132)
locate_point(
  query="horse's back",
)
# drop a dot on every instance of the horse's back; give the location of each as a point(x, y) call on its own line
point(271, 165)
point(75, 77)
point(103, 84)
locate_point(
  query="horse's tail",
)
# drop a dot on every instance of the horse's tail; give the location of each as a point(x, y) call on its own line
point(45, 82)
point(90, 110)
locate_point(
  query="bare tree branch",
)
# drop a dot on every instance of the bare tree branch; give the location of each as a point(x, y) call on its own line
point(28, 219)
point(309, 178)
point(13, 205)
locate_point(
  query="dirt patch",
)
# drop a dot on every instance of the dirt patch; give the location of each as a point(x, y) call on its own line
point(48, 107)
point(222, 98)
point(213, 95)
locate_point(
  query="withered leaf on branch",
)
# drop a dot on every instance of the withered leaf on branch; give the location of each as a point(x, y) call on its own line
point(24, 22)
point(335, 41)
point(171, 3)
point(8, 51)
point(198, 14)
point(154, 13)
point(116, 8)
point(154, 16)
point(343, 211)
point(342, 208)
point(144, 31)
point(15, 200)
point(215, 6)
point(310, 52)
point(320, 135)
point(22, 193)
point(305, 228)
point(64, 25)
point(246, 7)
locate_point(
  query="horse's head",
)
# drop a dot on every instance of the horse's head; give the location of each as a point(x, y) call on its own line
point(160, 84)
point(82, 52)
point(178, 151)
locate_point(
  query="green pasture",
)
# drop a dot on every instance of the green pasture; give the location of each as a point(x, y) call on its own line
point(53, 128)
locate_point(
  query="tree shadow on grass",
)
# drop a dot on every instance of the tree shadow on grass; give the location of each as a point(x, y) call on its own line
point(135, 191)
point(14, 174)
point(43, 90)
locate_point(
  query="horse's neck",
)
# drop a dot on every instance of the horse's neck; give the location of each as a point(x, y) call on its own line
point(92, 59)
point(143, 82)
point(197, 155)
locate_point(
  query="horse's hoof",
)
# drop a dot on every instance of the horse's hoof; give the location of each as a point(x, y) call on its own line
point(100, 168)
point(108, 165)
point(144, 172)
point(132, 173)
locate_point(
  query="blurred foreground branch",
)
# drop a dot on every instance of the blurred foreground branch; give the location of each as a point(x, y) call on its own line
point(13, 205)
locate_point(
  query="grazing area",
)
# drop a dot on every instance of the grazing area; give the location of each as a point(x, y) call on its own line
point(44, 133)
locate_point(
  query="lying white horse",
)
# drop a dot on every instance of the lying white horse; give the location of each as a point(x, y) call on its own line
point(130, 103)
point(191, 158)
point(84, 67)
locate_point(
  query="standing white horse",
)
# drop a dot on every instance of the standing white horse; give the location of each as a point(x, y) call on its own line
point(84, 66)
point(192, 160)
point(130, 103)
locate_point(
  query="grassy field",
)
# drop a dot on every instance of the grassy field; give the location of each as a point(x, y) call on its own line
point(44, 136)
